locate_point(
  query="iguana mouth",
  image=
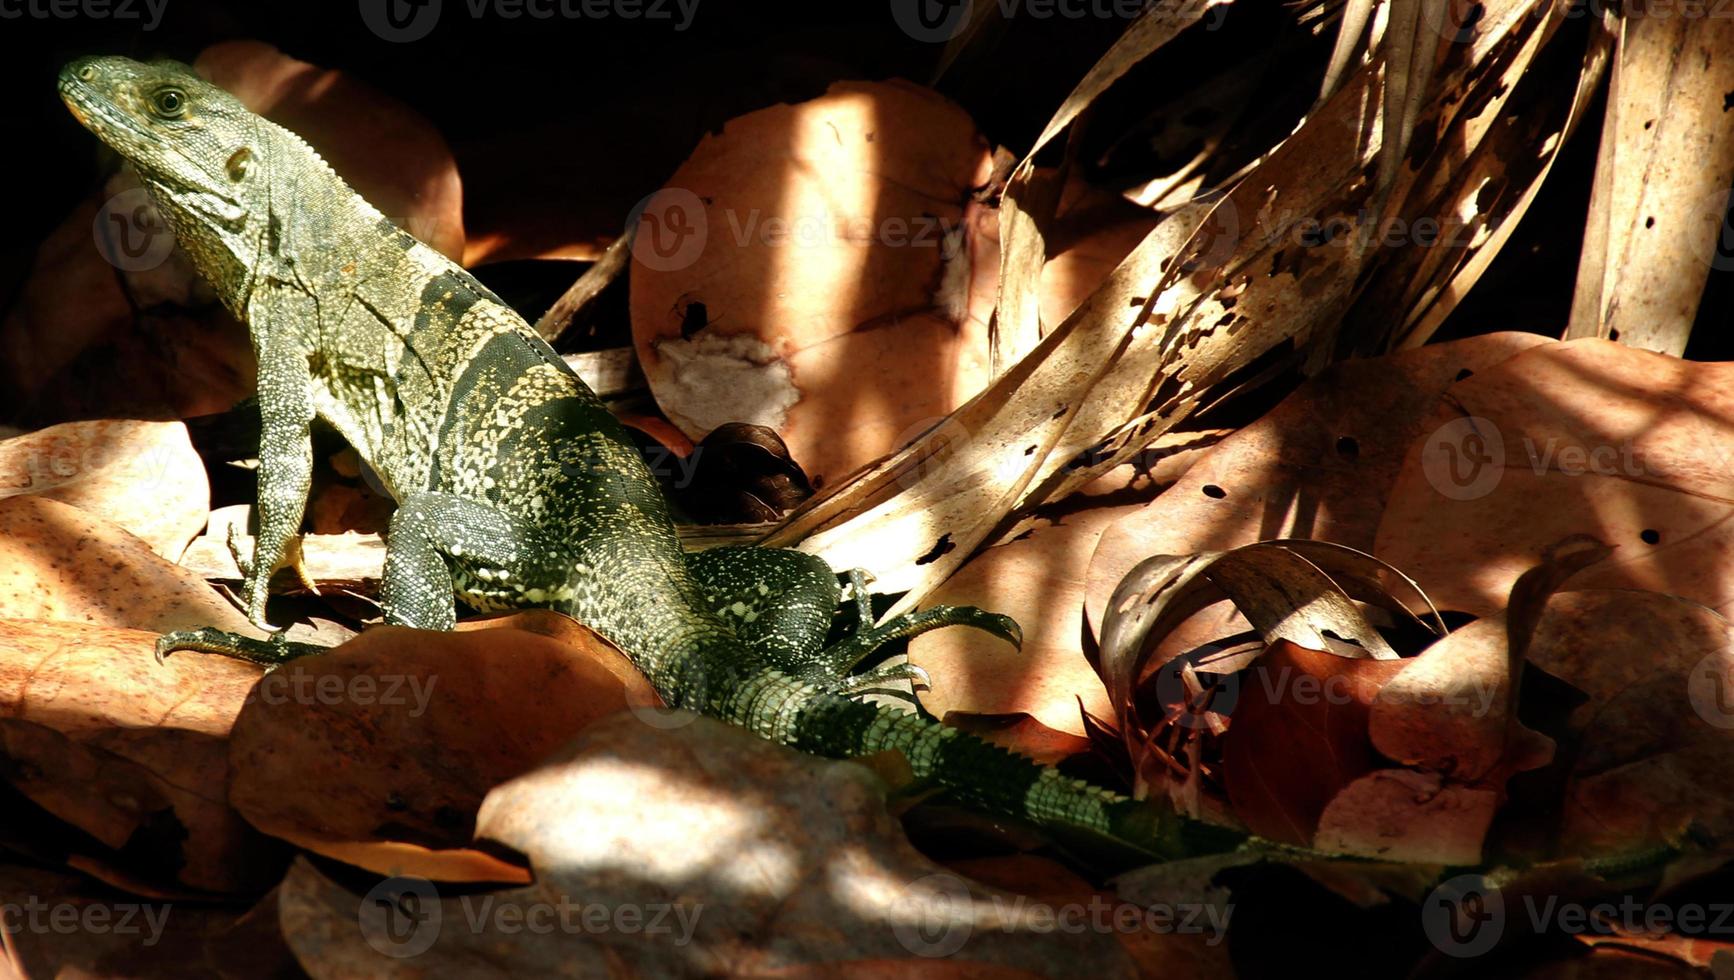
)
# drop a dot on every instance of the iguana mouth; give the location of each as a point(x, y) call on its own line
point(98, 114)
point(108, 121)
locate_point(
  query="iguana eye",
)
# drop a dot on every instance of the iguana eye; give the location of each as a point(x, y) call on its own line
point(169, 103)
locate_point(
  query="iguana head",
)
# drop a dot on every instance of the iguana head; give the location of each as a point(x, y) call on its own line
point(200, 152)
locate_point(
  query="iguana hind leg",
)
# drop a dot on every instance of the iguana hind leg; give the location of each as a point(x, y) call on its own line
point(441, 543)
point(778, 600)
point(781, 601)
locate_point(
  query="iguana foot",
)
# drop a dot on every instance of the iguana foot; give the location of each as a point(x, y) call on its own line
point(831, 667)
point(853, 684)
point(268, 653)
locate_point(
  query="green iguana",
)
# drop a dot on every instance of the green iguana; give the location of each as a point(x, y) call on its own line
point(515, 486)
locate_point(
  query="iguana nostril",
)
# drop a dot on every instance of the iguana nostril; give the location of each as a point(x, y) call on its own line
point(87, 73)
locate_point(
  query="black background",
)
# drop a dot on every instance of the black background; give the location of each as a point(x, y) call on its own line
point(590, 90)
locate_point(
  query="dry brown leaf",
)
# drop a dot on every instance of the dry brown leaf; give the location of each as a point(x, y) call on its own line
point(1586, 437)
point(156, 799)
point(75, 347)
point(1197, 951)
point(1406, 815)
point(1298, 735)
point(65, 926)
point(1667, 158)
point(812, 269)
point(60, 562)
point(1448, 711)
point(1037, 580)
point(405, 731)
point(143, 476)
point(80, 679)
point(101, 736)
point(1651, 749)
point(733, 856)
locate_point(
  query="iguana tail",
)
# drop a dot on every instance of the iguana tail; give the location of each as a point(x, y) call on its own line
point(975, 772)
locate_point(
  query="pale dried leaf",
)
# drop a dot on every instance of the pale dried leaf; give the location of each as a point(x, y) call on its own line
point(1667, 159)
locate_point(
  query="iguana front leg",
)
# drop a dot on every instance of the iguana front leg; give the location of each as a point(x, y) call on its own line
point(438, 543)
point(281, 318)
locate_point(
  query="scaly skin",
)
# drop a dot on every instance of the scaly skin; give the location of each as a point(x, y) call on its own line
point(516, 487)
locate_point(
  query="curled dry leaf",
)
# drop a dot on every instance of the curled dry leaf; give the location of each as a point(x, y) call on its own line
point(1206, 294)
point(1585, 437)
point(60, 562)
point(1288, 590)
point(1450, 716)
point(405, 731)
point(143, 476)
point(1319, 465)
point(101, 736)
point(1476, 173)
point(1298, 736)
point(1449, 709)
